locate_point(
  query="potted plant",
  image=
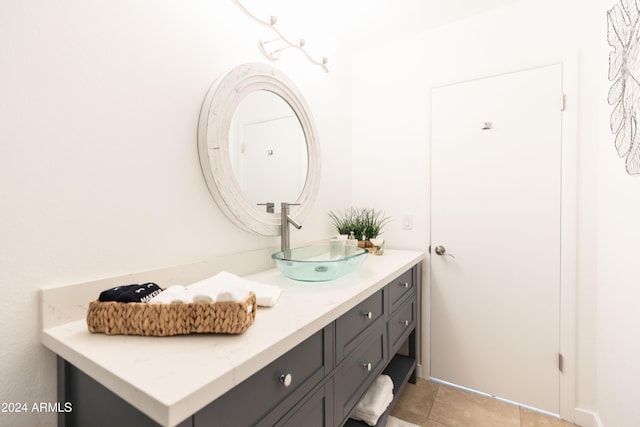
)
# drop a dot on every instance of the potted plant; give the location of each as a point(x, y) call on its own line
point(364, 223)
point(346, 221)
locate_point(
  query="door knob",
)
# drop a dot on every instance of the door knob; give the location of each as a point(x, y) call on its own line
point(286, 379)
point(441, 250)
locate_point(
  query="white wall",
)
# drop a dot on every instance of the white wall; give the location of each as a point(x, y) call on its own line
point(618, 351)
point(98, 158)
point(391, 104)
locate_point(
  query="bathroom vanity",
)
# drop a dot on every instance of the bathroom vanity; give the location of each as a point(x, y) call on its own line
point(304, 362)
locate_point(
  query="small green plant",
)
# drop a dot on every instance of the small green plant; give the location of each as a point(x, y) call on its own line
point(344, 221)
point(366, 223)
point(373, 221)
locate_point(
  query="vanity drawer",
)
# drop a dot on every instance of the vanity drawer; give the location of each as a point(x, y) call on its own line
point(280, 384)
point(401, 324)
point(358, 370)
point(399, 288)
point(352, 324)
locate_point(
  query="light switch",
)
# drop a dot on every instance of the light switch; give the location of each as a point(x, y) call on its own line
point(407, 221)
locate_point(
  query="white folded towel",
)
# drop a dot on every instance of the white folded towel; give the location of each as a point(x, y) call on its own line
point(266, 295)
point(375, 401)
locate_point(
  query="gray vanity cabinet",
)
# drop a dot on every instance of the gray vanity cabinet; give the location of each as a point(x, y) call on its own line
point(365, 342)
point(317, 383)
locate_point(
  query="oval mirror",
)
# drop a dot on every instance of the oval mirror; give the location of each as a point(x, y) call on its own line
point(257, 144)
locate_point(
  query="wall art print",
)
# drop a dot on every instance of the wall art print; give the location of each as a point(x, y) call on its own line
point(623, 35)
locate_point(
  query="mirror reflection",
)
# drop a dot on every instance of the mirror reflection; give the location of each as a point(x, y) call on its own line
point(268, 149)
point(257, 144)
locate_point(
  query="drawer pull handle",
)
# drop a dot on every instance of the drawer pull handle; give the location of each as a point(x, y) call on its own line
point(367, 314)
point(286, 379)
point(367, 366)
point(405, 322)
point(405, 285)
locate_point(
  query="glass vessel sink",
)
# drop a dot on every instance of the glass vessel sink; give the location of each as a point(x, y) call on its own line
point(319, 262)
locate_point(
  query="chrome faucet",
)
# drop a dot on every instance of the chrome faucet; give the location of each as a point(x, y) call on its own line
point(270, 206)
point(285, 242)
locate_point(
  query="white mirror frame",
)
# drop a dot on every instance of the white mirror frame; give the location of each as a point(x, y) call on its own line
point(214, 149)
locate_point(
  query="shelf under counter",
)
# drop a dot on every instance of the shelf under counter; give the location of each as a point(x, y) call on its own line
point(401, 369)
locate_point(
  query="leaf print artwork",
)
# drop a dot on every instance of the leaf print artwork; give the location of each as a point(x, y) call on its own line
point(623, 35)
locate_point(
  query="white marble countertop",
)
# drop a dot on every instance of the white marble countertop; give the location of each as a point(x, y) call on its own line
point(170, 378)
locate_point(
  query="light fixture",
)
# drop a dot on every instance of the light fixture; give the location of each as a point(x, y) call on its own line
point(272, 49)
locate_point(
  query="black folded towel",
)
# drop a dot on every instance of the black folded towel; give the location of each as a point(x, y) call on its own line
point(131, 293)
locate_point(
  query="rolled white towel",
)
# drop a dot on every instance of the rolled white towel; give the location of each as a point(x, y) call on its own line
point(226, 286)
point(204, 293)
point(174, 293)
point(232, 293)
point(222, 287)
point(220, 294)
point(375, 401)
point(202, 298)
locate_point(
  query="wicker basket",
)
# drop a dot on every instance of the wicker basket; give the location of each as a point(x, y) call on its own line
point(161, 320)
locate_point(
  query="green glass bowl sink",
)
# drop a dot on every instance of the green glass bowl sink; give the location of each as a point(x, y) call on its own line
point(319, 262)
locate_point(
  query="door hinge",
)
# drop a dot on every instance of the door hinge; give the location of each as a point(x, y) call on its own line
point(560, 362)
point(562, 102)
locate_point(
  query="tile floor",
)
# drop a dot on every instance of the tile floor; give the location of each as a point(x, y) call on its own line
point(430, 404)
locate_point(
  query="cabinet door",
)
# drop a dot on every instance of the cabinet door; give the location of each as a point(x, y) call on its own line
point(96, 406)
point(359, 369)
point(316, 411)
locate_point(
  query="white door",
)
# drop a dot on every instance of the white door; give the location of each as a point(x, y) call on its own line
point(271, 160)
point(495, 210)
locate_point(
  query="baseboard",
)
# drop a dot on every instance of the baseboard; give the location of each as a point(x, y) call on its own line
point(586, 418)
